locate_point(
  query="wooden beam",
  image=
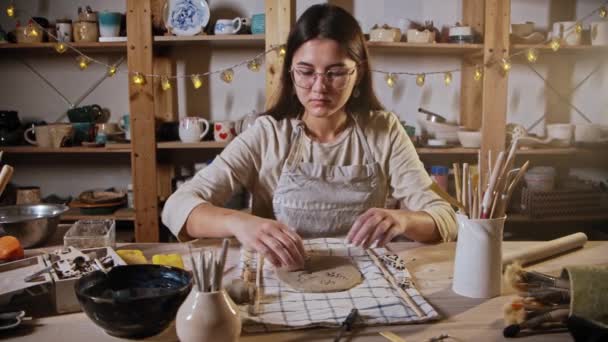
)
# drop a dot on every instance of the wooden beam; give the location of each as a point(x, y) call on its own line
point(165, 109)
point(141, 107)
point(471, 90)
point(280, 17)
point(495, 92)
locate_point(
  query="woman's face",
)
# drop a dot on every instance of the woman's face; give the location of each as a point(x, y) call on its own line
point(325, 95)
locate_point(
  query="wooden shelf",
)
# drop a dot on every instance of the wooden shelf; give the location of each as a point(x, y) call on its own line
point(545, 48)
point(525, 218)
point(428, 48)
point(123, 214)
point(229, 40)
point(178, 145)
point(113, 148)
point(86, 47)
point(446, 150)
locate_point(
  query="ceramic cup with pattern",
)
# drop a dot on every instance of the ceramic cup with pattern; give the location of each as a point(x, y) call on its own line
point(224, 131)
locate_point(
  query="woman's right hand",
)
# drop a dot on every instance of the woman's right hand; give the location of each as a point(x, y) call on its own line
point(274, 240)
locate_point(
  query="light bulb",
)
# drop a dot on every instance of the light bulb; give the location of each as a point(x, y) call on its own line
point(447, 78)
point(32, 31)
point(139, 79)
point(165, 84)
point(478, 74)
point(60, 47)
point(555, 44)
point(603, 12)
point(196, 81)
point(578, 28)
point(391, 79)
point(227, 75)
point(111, 70)
point(282, 51)
point(420, 80)
point(253, 65)
point(506, 64)
point(10, 10)
point(532, 55)
point(83, 62)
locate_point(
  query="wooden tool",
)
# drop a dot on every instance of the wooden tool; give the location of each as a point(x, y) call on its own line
point(391, 336)
point(457, 181)
point(259, 274)
point(446, 196)
point(488, 196)
point(406, 297)
point(546, 249)
point(501, 207)
point(5, 177)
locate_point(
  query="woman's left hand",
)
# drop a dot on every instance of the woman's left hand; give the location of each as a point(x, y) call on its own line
point(376, 224)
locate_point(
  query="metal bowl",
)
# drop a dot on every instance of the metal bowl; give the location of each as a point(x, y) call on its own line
point(31, 224)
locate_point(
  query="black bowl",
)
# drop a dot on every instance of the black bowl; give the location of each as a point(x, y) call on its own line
point(133, 300)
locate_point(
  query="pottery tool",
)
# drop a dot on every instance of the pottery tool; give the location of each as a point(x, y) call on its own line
point(555, 316)
point(347, 325)
point(5, 177)
point(446, 196)
point(211, 270)
point(222, 261)
point(197, 279)
point(501, 207)
point(488, 196)
point(259, 274)
point(465, 188)
point(391, 336)
point(391, 279)
point(457, 179)
point(204, 271)
point(523, 280)
point(546, 249)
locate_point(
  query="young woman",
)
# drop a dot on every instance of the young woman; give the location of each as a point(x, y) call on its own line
point(325, 160)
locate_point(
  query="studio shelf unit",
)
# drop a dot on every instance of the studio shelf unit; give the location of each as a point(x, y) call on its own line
point(483, 104)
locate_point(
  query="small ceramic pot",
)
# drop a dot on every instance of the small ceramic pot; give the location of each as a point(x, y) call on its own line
point(415, 36)
point(85, 31)
point(208, 317)
point(385, 35)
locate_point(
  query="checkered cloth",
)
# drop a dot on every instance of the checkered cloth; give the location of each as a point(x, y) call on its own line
point(283, 308)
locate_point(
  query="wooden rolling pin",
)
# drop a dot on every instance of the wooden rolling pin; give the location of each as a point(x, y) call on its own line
point(5, 177)
point(546, 249)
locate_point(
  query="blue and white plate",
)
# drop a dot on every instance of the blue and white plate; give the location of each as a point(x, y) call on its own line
point(186, 17)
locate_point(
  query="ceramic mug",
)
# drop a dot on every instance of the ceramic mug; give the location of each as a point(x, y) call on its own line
point(60, 134)
point(90, 113)
point(83, 132)
point(588, 133)
point(192, 129)
point(258, 23)
point(224, 131)
point(125, 125)
point(28, 195)
point(85, 31)
point(41, 138)
point(109, 24)
point(228, 26)
point(64, 30)
point(599, 33)
point(565, 31)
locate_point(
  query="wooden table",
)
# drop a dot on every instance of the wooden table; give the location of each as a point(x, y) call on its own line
point(431, 266)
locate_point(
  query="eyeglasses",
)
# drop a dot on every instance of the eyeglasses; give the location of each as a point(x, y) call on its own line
point(335, 78)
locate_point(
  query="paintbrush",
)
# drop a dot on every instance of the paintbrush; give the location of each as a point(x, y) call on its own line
point(197, 279)
point(555, 316)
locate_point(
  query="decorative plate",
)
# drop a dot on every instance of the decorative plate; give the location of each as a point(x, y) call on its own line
point(186, 17)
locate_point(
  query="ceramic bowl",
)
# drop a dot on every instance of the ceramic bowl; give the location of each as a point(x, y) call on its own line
point(470, 139)
point(133, 300)
point(522, 30)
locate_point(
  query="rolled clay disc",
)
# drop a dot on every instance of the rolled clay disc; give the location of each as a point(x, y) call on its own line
point(323, 274)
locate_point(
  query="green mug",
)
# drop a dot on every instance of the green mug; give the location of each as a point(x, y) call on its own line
point(90, 113)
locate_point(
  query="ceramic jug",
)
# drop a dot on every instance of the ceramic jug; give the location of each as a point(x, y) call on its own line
point(208, 317)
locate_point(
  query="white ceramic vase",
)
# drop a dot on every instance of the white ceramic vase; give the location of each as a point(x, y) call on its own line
point(208, 317)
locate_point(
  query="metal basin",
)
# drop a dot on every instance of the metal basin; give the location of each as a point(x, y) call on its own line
point(31, 224)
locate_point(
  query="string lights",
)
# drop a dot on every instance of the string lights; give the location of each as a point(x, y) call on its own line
point(254, 64)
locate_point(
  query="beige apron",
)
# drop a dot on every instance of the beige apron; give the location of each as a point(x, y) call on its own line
point(322, 200)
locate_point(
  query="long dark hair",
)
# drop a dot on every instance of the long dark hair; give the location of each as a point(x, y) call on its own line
point(331, 22)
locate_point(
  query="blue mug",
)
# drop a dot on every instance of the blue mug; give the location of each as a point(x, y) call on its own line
point(125, 125)
point(109, 24)
point(258, 23)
